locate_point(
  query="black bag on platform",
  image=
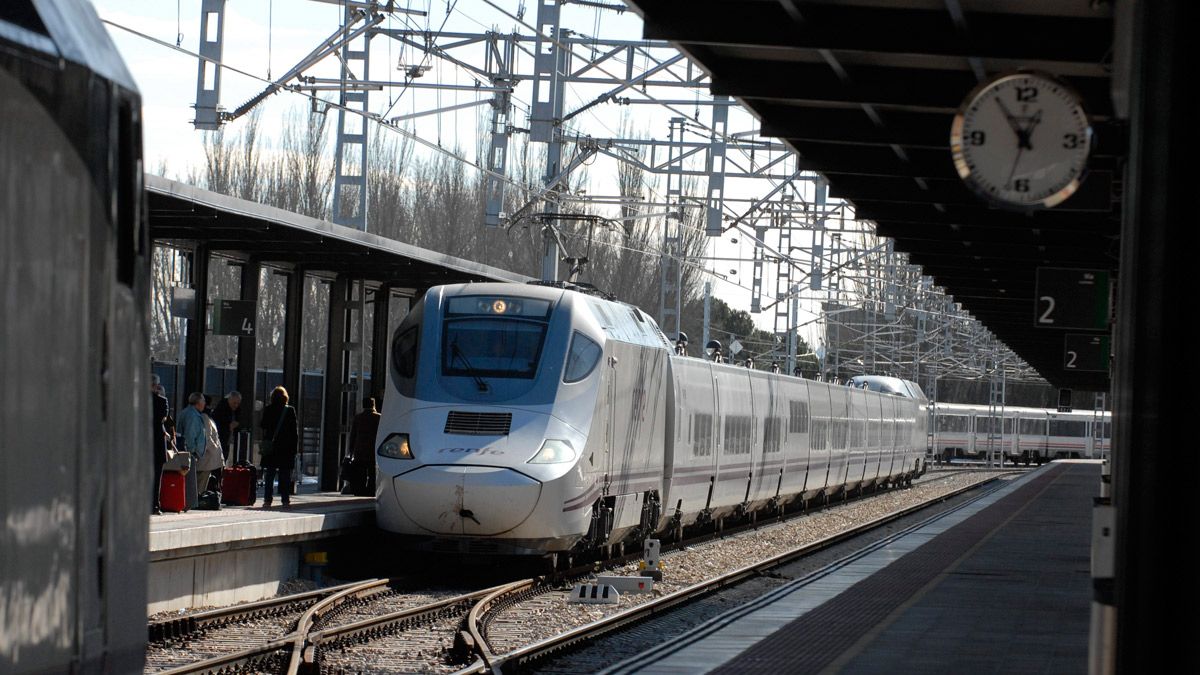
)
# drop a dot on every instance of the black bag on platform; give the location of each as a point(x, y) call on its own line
point(210, 501)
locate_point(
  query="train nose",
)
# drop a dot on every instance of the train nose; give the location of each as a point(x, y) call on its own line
point(466, 500)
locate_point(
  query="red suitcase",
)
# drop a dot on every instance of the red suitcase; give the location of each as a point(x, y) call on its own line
point(238, 485)
point(172, 493)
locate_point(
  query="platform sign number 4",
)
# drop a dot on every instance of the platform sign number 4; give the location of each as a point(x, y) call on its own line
point(233, 317)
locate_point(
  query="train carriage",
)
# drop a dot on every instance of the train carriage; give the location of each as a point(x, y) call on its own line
point(1018, 434)
point(537, 419)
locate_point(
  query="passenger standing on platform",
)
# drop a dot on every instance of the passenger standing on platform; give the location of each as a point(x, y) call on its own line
point(225, 416)
point(360, 474)
point(280, 429)
point(199, 436)
point(161, 411)
point(212, 459)
point(193, 426)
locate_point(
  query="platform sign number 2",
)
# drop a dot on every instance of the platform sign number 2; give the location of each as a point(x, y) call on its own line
point(1072, 298)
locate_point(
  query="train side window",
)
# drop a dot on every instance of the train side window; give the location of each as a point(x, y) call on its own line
point(818, 438)
point(1032, 427)
point(1071, 428)
point(772, 430)
point(581, 358)
point(404, 353)
point(702, 435)
point(798, 418)
point(738, 432)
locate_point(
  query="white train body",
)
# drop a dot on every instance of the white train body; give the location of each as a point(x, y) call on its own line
point(1019, 433)
point(532, 419)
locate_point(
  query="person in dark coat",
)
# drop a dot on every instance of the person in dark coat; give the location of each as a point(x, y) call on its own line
point(279, 425)
point(359, 473)
point(225, 415)
point(161, 410)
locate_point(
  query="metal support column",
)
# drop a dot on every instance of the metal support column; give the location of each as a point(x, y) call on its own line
point(707, 314)
point(550, 65)
point(380, 343)
point(996, 414)
point(293, 338)
point(501, 129)
point(350, 154)
point(337, 373)
point(671, 265)
point(208, 75)
point(197, 324)
point(1156, 513)
point(247, 349)
point(714, 167)
point(756, 281)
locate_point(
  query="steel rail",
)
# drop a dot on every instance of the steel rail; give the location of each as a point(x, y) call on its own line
point(270, 654)
point(177, 627)
point(388, 623)
point(496, 663)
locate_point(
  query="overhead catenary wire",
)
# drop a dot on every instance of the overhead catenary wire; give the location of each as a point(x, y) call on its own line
point(524, 189)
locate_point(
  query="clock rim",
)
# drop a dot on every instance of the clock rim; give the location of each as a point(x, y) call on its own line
point(967, 177)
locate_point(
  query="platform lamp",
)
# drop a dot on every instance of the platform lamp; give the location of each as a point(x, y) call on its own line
point(681, 344)
point(713, 349)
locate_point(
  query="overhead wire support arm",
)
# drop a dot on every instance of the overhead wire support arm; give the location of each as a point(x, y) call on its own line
point(623, 86)
point(550, 190)
point(389, 7)
point(342, 36)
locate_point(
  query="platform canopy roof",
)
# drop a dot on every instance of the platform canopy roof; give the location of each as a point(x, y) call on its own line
point(865, 91)
point(244, 229)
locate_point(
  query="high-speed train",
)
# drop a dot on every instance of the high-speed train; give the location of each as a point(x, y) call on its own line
point(1019, 434)
point(533, 419)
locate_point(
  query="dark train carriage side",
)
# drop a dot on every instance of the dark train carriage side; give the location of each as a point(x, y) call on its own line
point(74, 425)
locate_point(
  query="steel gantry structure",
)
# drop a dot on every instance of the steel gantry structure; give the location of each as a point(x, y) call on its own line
point(878, 312)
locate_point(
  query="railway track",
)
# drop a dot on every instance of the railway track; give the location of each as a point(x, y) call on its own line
point(376, 626)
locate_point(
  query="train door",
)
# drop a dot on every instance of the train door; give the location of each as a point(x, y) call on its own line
point(874, 437)
point(839, 453)
point(857, 420)
point(818, 438)
point(796, 444)
point(1008, 438)
point(604, 462)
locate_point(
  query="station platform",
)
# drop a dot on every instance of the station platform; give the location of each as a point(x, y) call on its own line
point(242, 553)
point(1001, 584)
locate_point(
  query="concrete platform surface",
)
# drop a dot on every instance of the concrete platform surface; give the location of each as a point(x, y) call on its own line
point(1001, 584)
point(318, 515)
point(243, 553)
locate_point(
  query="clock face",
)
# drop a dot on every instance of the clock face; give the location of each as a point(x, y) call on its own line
point(1022, 140)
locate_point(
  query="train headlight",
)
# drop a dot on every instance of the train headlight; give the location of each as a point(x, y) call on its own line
point(396, 447)
point(554, 452)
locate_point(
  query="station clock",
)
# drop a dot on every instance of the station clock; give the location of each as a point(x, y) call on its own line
point(1022, 140)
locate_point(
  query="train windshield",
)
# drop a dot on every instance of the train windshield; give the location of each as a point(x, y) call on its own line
point(490, 337)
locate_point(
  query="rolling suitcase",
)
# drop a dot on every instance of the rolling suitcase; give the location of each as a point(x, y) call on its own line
point(241, 447)
point(172, 492)
point(239, 485)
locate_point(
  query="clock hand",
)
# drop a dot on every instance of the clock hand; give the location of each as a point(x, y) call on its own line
point(1012, 172)
point(1012, 120)
point(1025, 136)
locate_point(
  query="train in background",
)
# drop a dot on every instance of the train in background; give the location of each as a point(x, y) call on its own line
point(534, 420)
point(1019, 435)
point(75, 460)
